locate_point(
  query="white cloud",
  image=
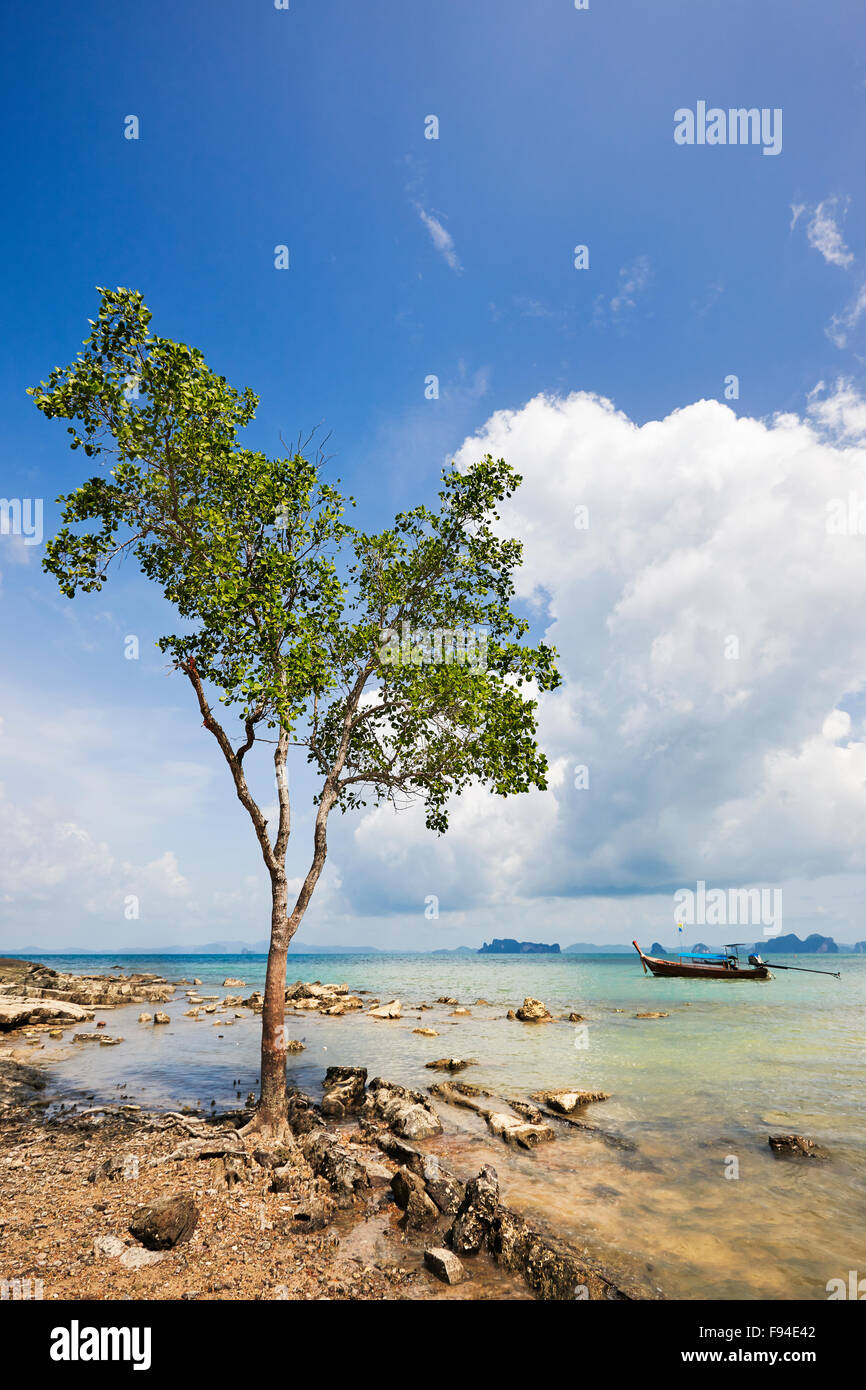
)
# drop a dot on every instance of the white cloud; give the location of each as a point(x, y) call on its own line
point(842, 324)
point(824, 235)
point(441, 238)
point(703, 527)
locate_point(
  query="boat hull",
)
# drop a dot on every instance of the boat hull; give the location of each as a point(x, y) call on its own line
point(687, 970)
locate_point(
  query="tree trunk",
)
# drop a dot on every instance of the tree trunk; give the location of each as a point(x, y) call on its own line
point(271, 1114)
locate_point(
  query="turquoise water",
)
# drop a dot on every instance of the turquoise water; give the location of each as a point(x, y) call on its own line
point(695, 1096)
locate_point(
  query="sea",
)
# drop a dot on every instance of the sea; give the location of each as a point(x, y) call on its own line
point(674, 1188)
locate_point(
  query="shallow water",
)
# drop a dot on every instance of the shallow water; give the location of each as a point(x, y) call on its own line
point(696, 1094)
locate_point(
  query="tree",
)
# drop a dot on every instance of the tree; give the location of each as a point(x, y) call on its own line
point(392, 659)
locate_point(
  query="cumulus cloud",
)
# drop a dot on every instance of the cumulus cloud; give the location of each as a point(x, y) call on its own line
point(709, 626)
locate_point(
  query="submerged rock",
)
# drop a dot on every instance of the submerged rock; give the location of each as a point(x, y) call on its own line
point(795, 1146)
point(566, 1100)
point(450, 1063)
point(549, 1267)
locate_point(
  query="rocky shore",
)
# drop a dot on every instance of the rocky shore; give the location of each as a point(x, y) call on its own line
point(154, 1205)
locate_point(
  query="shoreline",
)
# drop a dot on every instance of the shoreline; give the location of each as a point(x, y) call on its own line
point(348, 1213)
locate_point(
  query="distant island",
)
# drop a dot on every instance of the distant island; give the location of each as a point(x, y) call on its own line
point(507, 946)
point(791, 945)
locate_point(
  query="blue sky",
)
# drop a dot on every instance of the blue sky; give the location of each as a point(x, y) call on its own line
point(410, 257)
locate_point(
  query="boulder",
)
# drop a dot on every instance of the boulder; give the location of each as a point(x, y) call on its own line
point(330, 1160)
point(426, 1032)
point(514, 1131)
point(450, 1063)
point(567, 1099)
point(237, 984)
point(533, 1011)
point(406, 1112)
point(294, 1045)
point(446, 999)
point(474, 1220)
point(161, 1018)
point(441, 1186)
point(148, 1018)
point(391, 1010)
point(166, 1222)
point(344, 1090)
point(445, 1265)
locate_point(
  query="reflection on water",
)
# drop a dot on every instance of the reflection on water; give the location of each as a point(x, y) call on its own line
point(733, 1062)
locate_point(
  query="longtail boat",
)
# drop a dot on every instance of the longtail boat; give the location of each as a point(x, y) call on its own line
point(694, 965)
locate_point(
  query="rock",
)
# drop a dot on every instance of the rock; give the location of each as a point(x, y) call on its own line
point(17, 1013)
point(255, 1002)
point(330, 1160)
point(527, 1111)
point(148, 1018)
point(515, 1131)
point(533, 1011)
point(110, 1042)
point(441, 1186)
point(293, 1045)
point(485, 1002)
point(312, 1215)
point(574, 1018)
point(446, 999)
point(652, 1013)
point(450, 1063)
point(795, 1146)
point(135, 1258)
point(302, 1114)
point(119, 1167)
point(511, 1015)
point(459, 1013)
point(87, 1037)
point(112, 1246)
point(426, 1032)
point(166, 1222)
point(445, 1265)
point(391, 1010)
point(477, 1211)
point(549, 1267)
point(237, 983)
point(403, 1184)
point(344, 1090)
point(421, 1212)
point(161, 1018)
point(564, 1101)
point(408, 1113)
